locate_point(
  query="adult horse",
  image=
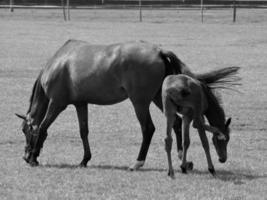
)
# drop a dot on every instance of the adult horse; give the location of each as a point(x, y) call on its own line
point(80, 73)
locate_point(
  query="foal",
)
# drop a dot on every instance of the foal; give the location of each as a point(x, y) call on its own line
point(192, 99)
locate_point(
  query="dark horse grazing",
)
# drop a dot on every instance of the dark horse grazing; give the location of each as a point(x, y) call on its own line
point(80, 73)
point(194, 100)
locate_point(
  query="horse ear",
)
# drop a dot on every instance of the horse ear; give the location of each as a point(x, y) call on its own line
point(228, 122)
point(21, 116)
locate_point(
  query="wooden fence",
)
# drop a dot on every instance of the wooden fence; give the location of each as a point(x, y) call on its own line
point(67, 5)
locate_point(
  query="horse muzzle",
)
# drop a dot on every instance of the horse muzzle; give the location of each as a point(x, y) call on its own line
point(222, 160)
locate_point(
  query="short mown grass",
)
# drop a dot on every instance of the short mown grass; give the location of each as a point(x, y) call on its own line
point(29, 37)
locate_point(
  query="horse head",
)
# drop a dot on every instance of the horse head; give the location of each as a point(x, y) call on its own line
point(31, 134)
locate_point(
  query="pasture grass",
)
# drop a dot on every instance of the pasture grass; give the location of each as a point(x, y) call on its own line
point(29, 37)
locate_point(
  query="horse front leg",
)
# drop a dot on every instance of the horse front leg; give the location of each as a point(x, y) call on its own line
point(82, 113)
point(52, 112)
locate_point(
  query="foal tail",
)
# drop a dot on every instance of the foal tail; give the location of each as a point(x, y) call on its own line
point(224, 78)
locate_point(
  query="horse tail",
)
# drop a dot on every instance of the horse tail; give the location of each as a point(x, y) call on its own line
point(38, 99)
point(174, 65)
point(223, 78)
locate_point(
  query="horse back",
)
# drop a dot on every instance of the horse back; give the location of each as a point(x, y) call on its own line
point(102, 74)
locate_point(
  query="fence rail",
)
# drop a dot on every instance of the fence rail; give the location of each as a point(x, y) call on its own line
point(67, 5)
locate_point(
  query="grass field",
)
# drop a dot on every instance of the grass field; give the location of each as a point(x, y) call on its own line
point(29, 37)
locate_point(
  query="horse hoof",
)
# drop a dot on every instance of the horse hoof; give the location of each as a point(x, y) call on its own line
point(180, 154)
point(26, 159)
point(137, 165)
point(184, 171)
point(212, 171)
point(171, 174)
point(189, 165)
point(33, 163)
point(82, 165)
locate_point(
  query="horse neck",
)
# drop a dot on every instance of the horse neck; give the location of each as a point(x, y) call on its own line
point(38, 104)
point(215, 113)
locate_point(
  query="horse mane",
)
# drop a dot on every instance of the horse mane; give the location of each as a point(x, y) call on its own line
point(32, 94)
point(37, 95)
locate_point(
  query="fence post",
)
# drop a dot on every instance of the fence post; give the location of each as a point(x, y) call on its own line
point(202, 8)
point(68, 9)
point(63, 7)
point(11, 5)
point(234, 11)
point(140, 11)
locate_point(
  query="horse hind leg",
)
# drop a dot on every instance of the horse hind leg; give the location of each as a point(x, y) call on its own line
point(148, 128)
point(82, 113)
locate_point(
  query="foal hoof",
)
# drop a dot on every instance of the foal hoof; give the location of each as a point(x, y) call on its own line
point(83, 165)
point(184, 171)
point(212, 171)
point(137, 165)
point(189, 165)
point(180, 154)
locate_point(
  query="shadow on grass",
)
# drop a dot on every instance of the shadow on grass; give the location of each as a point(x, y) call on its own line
point(103, 167)
point(60, 166)
point(125, 168)
point(236, 177)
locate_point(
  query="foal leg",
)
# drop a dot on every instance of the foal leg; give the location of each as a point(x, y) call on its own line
point(168, 143)
point(52, 112)
point(82, 113)
point(148, 128)
point(186, 142)
point(205, 144)
point(177, 125)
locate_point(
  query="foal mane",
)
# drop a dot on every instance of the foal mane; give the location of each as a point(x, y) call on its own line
point(214, 99)
point(225, 78)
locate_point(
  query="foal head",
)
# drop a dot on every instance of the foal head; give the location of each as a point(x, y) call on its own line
point(31, 132)
point(220, 140)
point(216, 117)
